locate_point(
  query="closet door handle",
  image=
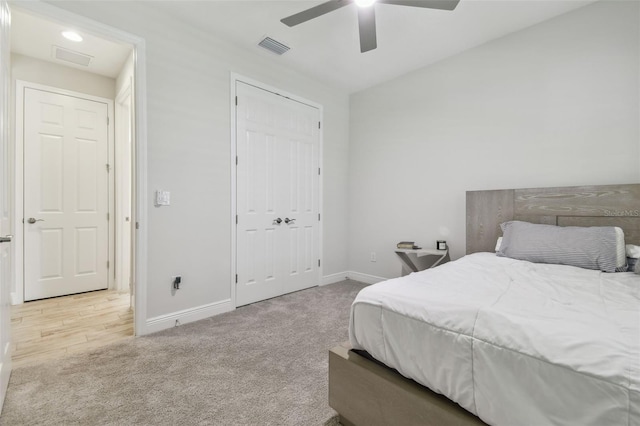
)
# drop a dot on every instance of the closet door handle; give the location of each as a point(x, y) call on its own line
point(6, 239)
point(33, 220)
point(277, 221)
point(288, 221)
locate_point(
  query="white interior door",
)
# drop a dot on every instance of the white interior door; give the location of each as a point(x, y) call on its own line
point(277, 142)
point(66, 194)
point(5, 204)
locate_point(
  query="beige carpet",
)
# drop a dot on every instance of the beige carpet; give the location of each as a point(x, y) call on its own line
point(263, 364)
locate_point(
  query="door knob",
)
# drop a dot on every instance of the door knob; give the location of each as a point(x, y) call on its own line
point(288, 221)
point(34, 220)
point(6, 239)
point(277, 221)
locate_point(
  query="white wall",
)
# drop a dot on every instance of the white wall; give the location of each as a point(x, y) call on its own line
point(555, 104)
point(188, 74)
point(51, 74)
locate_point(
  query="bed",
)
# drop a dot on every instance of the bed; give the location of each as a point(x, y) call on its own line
point(517, 343)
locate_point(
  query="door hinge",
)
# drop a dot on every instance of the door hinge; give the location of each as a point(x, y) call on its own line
point(318, 171)
point(108, 168)
point(108, 264)
point(107, 120)
point(236, 160)
point(108, 216)
point(318, 124)
point(236, 219)
point(137, 225)
point(236, 101)
point(318, 217)
point(318, 262)
point(236, 278)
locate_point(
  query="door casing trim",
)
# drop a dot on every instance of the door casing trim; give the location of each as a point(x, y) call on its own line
point(234, 78)
point(6, 162)
point(118, 218)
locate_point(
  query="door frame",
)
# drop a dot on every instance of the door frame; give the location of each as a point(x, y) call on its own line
point(235, 78)
point(17, 296)
point(6, 182)
point(51, 12)
point(121, 189)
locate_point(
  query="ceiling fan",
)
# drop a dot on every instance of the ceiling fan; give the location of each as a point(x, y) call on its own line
point(366, 15)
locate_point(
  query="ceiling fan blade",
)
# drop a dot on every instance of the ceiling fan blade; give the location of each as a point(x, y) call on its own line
point(314, 12)
point(367, 27)
point(430, 4)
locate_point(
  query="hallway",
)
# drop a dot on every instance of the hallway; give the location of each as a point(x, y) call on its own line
point(53, 328)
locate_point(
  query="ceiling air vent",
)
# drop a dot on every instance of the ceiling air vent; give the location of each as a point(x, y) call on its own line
point(273, 45)
point(67, 55)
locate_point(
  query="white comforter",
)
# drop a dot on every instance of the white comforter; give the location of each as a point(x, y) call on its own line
point(513, 342)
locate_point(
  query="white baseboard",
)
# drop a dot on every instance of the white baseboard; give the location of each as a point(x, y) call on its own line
point(15, 299)
point(5, 372)
point(334, 278)
point(162, 322)
point(351, 275)
point(365, 278)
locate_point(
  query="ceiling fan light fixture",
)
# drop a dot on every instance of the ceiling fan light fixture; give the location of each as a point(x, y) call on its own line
point(365, 3)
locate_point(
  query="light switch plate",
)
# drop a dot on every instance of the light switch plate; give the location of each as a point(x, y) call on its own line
point(163, 198)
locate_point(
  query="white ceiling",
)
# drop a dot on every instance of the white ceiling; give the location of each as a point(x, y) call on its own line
point(327, 48)
point(35, 37)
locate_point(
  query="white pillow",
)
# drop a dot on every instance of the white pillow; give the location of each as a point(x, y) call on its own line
point(632, 251)
point(585, 247)
point(621, 257)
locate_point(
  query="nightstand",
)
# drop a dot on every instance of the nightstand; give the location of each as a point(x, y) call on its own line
point(421, 259)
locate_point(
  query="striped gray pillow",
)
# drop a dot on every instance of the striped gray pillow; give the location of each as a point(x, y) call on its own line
point(585, 247)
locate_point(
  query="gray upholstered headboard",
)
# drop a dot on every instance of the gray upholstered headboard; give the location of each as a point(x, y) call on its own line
point(605, 205)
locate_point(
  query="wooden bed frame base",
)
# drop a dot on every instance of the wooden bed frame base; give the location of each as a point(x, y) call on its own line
point(363, 392)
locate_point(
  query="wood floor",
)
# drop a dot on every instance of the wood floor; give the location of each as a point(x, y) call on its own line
point(56, 327)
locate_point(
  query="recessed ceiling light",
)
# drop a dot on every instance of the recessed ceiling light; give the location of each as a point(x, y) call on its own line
point(365, 3)
point(72, 35)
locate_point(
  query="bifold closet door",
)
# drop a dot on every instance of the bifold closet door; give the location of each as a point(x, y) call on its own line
point(277, 141)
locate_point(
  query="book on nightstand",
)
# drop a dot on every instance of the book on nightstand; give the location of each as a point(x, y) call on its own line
point(408, 245)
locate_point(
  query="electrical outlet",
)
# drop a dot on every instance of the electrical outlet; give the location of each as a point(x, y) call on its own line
point(373, 256)
point(175, 282)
